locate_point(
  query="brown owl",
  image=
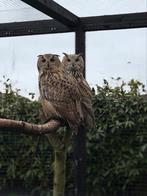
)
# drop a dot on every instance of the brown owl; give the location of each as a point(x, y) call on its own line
point(74, 65)
point(59, 92)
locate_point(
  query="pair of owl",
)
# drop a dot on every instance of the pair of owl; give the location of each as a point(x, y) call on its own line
point(64, 93)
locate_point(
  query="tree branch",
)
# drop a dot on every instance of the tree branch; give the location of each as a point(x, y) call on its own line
point(28, 128)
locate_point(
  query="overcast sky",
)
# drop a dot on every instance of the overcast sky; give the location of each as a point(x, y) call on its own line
point(119, 53)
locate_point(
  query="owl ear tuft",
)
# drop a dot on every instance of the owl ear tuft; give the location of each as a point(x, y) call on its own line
point(53, 56)
point(65, 54)
point(80, 54)
point(56, 55)
point(40, 55)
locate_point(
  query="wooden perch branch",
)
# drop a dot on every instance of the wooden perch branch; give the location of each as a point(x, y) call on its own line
point(28, 128)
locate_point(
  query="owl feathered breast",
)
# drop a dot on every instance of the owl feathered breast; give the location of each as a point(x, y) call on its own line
point(60, 96)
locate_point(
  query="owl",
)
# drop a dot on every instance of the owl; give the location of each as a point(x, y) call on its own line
point(74, 65)
point(59, 93)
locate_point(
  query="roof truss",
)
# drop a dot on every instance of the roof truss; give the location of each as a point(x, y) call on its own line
point(95, 23)
point(54, 10)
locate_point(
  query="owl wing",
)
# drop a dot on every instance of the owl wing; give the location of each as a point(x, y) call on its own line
point(84, 88)
point(63, 95)
point(86, 102)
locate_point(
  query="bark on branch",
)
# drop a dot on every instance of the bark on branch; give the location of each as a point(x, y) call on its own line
point(28, 128)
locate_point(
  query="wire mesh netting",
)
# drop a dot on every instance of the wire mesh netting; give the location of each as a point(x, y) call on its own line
point(28, 170)
point(17, 11)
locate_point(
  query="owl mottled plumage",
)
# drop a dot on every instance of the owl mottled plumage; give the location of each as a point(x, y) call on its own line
point(60, 95)
point(74, 65)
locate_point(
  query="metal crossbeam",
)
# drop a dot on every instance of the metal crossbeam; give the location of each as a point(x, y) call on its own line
point(112, 22)
point(32, 28)
point(55, 11)
point(95, 23)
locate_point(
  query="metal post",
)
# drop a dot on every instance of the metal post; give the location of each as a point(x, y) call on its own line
point(80, 44)
point(80, 139)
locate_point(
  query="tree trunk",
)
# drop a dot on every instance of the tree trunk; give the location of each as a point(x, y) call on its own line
point(59, 173)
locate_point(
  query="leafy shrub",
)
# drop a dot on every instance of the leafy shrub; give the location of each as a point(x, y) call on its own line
point(117, 148)
point(24, 163)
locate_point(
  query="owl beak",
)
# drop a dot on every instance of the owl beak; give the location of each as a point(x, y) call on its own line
point(73, 68)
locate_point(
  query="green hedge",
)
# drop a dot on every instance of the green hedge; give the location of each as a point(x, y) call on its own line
point(24, 162)
point(116, 148)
